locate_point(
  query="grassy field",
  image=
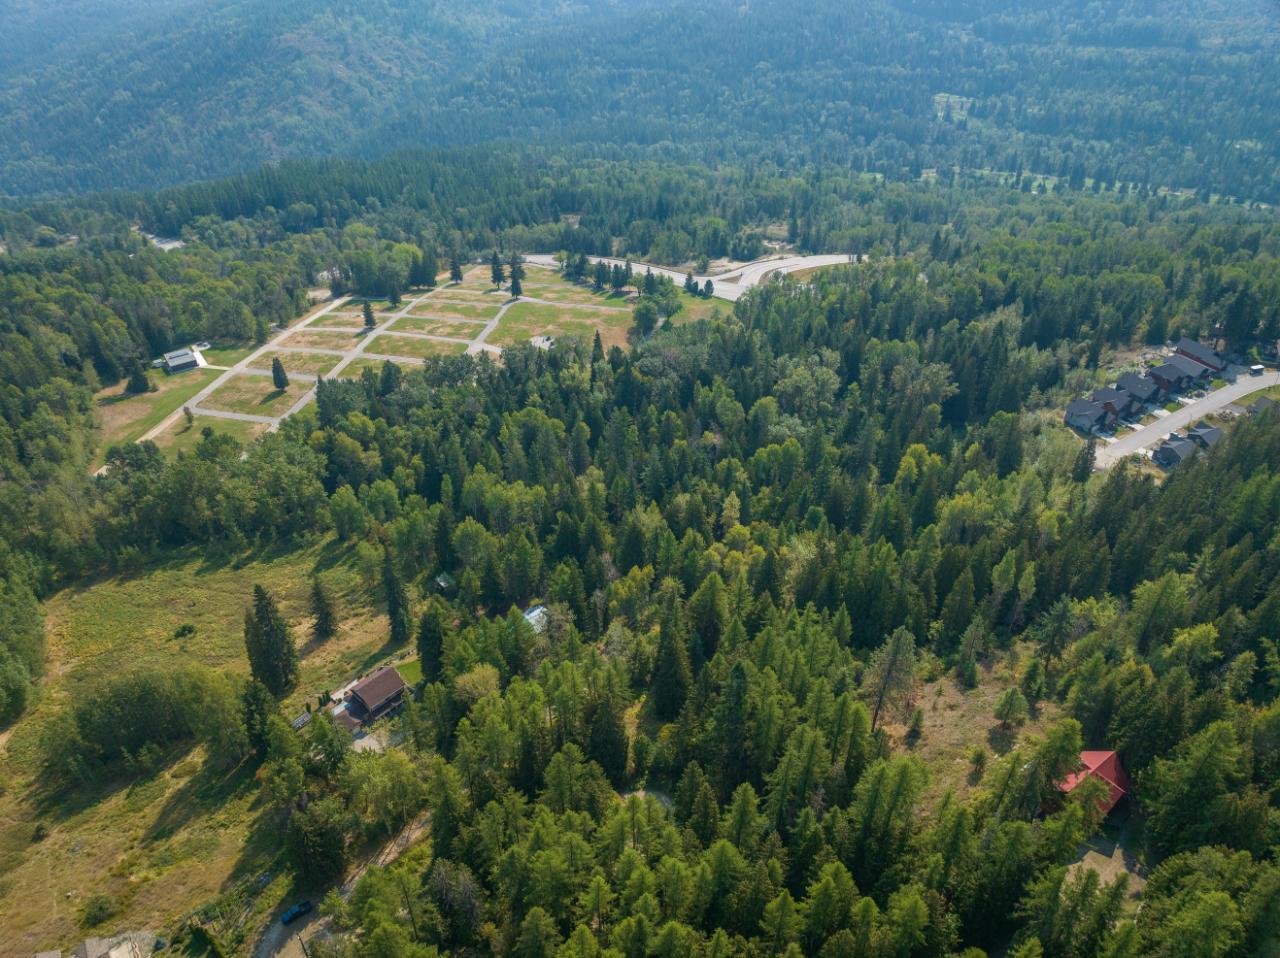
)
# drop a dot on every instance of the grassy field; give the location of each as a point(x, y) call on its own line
point(322, 339)
point(459, 329)
point(180, 437)
point(227, 355)
point(389, 344)
point(525, 320)
point(958, 720)
point(299, 364)
point(162, 845)
point(124, 418)
point(254, 394)
point(357, 366)
point(446, 309)
point(694, 308)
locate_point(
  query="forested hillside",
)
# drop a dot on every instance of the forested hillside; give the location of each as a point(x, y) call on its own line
point(774, 547)
point(134, 96)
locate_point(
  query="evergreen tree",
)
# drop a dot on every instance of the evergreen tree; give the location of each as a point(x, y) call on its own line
point(607, 742)
point(708, 289)
point(455, 268)
point(325, 624)
point(139, 382)
point(891, 674)
point(496, 273)
point(517, 289)
point(433, 630)
point(279, 378)
point(367, 310)
point(272, 658)
point(397, 598)
point(1011, 708)
point(1083, 466)
point(672, 674)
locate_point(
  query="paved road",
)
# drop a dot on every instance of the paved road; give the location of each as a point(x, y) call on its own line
point(731, 283)
point(1137, 440)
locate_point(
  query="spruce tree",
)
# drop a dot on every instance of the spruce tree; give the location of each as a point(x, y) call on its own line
point(495, 269)
point(672, 674)
point(139, 382)
point(278, 376)
point(455, 269)
point(397, 599)
point(326, 618)
point(367, 310)
point(433, 629)
point(272, 658)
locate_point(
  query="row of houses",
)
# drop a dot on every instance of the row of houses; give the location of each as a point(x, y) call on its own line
point(1189, 366)
point(1177, 448)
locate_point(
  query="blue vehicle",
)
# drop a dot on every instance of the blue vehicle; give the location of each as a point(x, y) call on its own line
point(296, 912)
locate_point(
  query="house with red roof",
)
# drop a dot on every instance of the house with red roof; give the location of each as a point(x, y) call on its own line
point(1106, 767)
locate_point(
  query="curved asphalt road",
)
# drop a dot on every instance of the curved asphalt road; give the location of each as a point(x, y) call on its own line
point(730, 284)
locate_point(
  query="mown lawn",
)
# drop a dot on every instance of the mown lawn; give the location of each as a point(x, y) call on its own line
point(125, 418)
point(299, 364)
point(180, 437)
point(525, 320)
point(254, 394)
point(389, 344)
point(458, 329)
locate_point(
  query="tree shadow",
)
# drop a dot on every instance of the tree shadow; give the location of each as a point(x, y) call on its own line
point(1001, 738)
point(209, 789)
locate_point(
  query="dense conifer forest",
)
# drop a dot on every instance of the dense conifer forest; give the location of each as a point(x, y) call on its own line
point(767, 626)
point(757, 537)
point(1177, 95)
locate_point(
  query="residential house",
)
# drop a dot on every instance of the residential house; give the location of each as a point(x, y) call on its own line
point(1115, 401)
point(1201, 354)
point(1263, 404)
point(1178, 373)
point(1104, 767)
point(1087, 415)
point(1143, 389)
point(369, 699)
point(1205, 436)
point(1174, 450)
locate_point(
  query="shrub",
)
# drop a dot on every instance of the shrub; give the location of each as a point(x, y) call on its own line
point(97, 909)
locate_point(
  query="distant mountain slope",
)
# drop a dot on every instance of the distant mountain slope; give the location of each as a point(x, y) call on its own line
point(150, 93)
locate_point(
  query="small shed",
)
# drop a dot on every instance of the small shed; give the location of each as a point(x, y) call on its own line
point(536, 616)
point(1104, 766)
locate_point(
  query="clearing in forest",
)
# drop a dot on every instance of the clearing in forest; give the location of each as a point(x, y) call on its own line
point(255, 395)
point(525, 320)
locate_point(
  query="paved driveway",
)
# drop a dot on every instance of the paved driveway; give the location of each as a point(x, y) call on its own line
point(1146, 437)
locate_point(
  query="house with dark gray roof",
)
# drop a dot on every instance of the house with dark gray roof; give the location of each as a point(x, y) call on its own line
point(1087, 415)
point(1174, 450)
point(1201, 354)
point(1205, 436)
point(1113, 400)
point(1179, 372)
point(1143, 389)
point(1263, 404)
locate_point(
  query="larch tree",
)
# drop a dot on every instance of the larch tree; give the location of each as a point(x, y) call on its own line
point(891, 675)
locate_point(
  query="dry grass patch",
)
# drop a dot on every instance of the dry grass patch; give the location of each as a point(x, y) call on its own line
point(324, 339)
point(481, 311)
point(389, 344)
point(164, 844)
point(958, 720)
point(297, 364)
point(355, 369)
point(256, 395)
point(456, 328)
point(526, 320)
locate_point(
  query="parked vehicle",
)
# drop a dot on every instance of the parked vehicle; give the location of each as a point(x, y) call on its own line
point(296, 912)
point(1257, 369)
